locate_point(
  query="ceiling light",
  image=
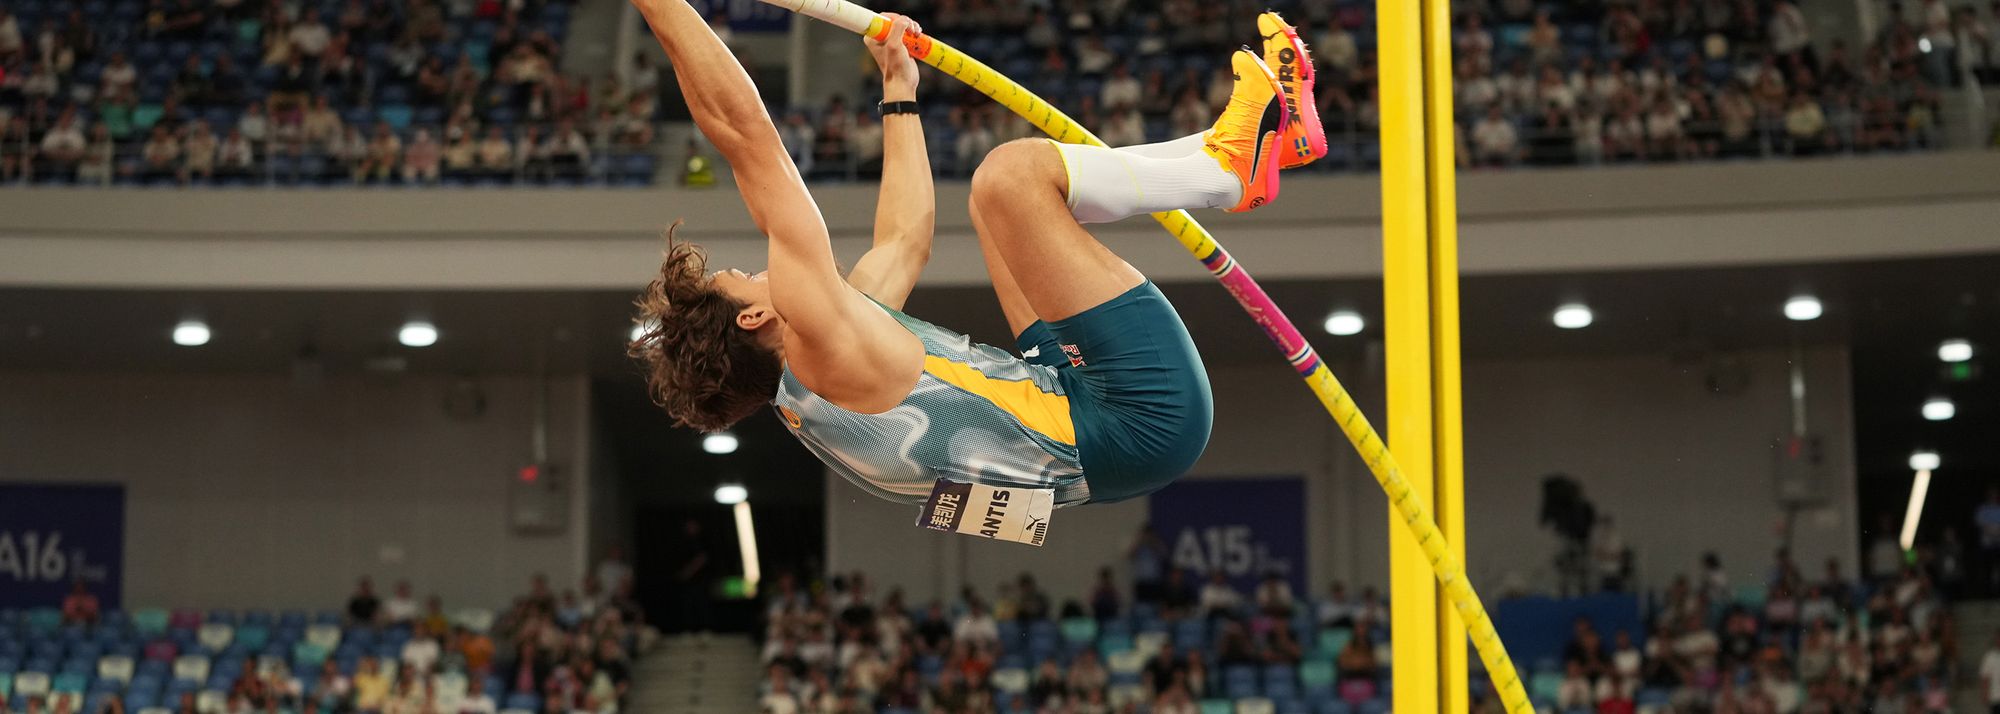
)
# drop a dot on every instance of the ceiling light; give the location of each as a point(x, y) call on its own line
point(417, 334)
point(730, 494)
point(192, 333)
point(1573, 316)
point(1345, 322)
point(1924, 461)
point(639, 330)
point(1954, 350)
point(1803, 307)
point(720, 442)
point(1940, 409)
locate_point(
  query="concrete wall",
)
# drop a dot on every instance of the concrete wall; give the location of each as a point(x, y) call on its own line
point(1739, 213)
point(1681, 469)
point(248, 491)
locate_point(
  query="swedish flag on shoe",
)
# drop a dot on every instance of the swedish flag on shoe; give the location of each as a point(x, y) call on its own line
point(1286, 55)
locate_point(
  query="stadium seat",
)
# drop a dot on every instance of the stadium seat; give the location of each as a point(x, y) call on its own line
point(1217, 706)
point(1079, 630)
point(149, 623)
point(1010, 680)
point(33, 684)
point(1255, 705)
point(253, 637)
point(191, 668)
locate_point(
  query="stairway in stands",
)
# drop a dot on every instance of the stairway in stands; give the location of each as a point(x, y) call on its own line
point(1977, 621)
point(697, 674)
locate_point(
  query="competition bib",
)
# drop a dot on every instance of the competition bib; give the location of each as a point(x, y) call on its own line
point(1015, 514)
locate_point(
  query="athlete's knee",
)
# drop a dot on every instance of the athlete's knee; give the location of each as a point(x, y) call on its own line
point(1017, 165)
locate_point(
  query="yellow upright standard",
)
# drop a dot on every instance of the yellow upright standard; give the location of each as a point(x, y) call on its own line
point(1420, 290)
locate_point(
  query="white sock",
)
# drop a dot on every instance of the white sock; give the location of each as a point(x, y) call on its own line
point(1169, 149)
point(1107, 185)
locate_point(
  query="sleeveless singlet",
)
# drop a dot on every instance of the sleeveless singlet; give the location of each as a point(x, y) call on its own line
point(978, 414)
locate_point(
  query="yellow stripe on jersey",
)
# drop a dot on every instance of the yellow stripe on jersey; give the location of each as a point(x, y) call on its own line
point(1047, 414)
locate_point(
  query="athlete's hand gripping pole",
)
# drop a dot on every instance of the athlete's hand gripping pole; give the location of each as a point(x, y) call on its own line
point(1198, 242)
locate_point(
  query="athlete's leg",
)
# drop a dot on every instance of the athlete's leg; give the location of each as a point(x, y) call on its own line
point(1033, 196)
point(1020, 314)
point(1056, 266)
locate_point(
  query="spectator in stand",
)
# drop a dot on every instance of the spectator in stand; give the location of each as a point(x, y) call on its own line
point(1274, 596)
point(349, 152)
point(384, 149)
point(1805, 126)
point(1147, 557)
point(1576, 691)
point(1123, 128)
point(1218, 597)
point(1357, 659)
point(97, 166)
point(1494, 141)
point(975, 140)
point(1120, 89)
point(496, 155)
point(363, 607)
point(371, 687)
point(1087, 675)
point(1104, 599)
point(976, 627)
point(80, 607)
point(1986, 523)
point(421, 159)
point(198, 154)
point(162, 154)
point(310, 37)
point(63, 145)
point(568, 153)
point(401, 607)
point(235, 158)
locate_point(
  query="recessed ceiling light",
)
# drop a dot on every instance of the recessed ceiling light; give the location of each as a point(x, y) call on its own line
point(191, 333)
point(720, 442)
point(417, 333)
point(1954, 350)
point(1940, 409)
point(1573, 316)
point(1345, 322)
point(1803, 307)
point(730, 494)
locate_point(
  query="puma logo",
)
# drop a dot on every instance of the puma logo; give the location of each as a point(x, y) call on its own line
point(1032, 352)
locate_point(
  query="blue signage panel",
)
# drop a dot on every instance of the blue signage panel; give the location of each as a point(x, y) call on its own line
point(1245, 527)
point(53, 535)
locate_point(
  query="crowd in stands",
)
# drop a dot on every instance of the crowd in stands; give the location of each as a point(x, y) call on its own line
point(309, 92)
point(1178, 642)
point(1546, 84)
point(548, 653)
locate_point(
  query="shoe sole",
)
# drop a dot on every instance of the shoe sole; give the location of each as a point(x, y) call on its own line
point(1312, 146)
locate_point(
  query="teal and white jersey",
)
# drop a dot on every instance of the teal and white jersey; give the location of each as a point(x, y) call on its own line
point(978, 414)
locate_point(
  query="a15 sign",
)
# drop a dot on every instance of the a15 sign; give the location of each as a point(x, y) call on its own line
point(1245, 528)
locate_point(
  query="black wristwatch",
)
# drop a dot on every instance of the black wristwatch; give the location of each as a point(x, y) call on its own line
point(887, 108)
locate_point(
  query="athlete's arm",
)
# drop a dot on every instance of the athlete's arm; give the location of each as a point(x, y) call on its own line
point(906, 211)
point(806, 286)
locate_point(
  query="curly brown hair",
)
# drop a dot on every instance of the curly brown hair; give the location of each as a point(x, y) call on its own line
point(703, 369)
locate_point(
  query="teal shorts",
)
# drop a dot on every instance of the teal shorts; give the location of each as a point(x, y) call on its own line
point(1137, 391)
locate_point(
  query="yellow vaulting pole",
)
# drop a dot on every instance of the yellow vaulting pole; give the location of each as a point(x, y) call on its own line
point(1420, 288)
